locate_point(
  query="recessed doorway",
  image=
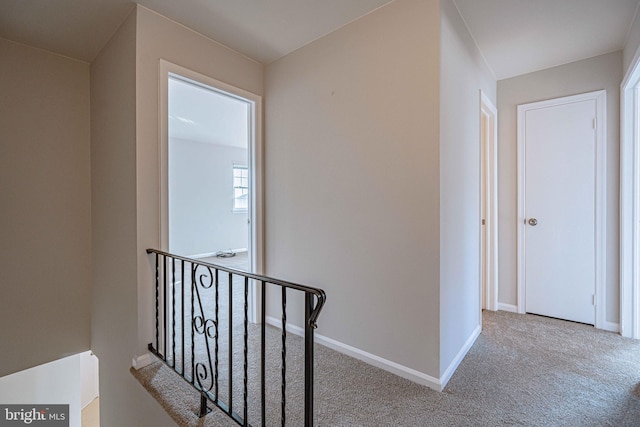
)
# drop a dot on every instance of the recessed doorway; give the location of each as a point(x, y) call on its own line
point(488, 204)
point(630, 202)
point(210, 172)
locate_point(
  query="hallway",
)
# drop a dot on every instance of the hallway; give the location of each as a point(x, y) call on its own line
point(522, 370)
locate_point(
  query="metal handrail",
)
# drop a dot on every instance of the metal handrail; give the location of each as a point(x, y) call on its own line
point(319, 293)
point(167, 348)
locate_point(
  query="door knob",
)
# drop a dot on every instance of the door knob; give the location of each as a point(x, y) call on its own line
point(533, 221)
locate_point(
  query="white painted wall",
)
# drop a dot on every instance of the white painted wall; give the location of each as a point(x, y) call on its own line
point(352, 181)
point(201, 216)
point(463, 73)
point(89, 375)
point(57, 382)
point(602, 72)
point(45, 229)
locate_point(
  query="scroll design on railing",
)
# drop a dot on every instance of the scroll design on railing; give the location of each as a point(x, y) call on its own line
point(198, 323)
point(205, 327)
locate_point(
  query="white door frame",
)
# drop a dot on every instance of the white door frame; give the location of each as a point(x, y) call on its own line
point(490, 269)
point(256, 243)
point(600, 198)
point(630, 202)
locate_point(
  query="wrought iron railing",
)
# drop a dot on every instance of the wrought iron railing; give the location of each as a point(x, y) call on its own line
point(194, 304)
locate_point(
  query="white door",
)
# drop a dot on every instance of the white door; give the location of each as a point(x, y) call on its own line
point(559, 210)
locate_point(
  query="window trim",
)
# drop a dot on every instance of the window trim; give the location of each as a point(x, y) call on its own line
point(239, 166)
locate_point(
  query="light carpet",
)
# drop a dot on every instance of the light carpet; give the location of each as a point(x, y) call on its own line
point(523, 370)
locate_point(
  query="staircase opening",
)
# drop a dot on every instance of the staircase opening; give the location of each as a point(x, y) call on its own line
point(65, 389)
point(256, 374)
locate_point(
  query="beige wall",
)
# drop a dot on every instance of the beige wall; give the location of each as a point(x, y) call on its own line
point(123, 401)
point(160, 38)
point(125, 132)
point(602, 72)
point(352, 186)
point(632, 45)
point(46, 206)
point(463, 73)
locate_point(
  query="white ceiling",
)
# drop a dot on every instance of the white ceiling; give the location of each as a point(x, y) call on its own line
point(203, 115)
point(521, 36)
point(515, 36)
point(264, 30)
point(74, 28)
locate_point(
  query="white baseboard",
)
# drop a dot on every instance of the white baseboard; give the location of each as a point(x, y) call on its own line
point(371, 359)
point(508, 307)
point(139, 362)
point(385, 364)
point(212, 254)
point(611, 327)
point(448, 373)
point(607, 326)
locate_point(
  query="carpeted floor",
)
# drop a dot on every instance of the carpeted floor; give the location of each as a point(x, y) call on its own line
point(523, 370)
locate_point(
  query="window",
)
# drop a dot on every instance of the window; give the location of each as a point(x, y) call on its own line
point(240, 188)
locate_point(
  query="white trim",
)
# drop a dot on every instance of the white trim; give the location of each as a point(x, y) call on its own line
point(611, 327)
point(601, 210)
point(520, 300)
point(508, 307)
point(448, 373)
point(235, 166)
point(371, 359)
point(608, 326)
point(600, 198)
point(488, 109)
point(212, 254)
point(256, 207)
point(630, 202)
point(141, 361)
point(385, 364)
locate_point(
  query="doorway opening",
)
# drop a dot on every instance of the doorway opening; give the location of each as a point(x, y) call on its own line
point(488, 204)
point(630, 202)
point(211, 207)
point(208, 143)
